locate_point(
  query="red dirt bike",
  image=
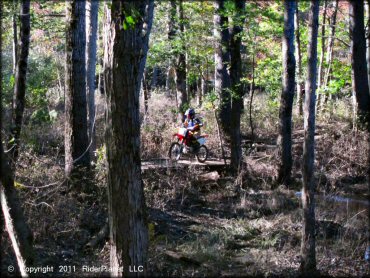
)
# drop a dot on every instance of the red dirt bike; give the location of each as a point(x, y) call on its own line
point(185, 146)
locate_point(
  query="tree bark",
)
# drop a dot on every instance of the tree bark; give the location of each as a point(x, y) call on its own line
point(76, 130)
point(92, 8)
point(127, 212)
point(19, 100)
point(237, 89)
point(367, 7)
point(367, 3)
point(329, 54)
point(287, 95)
point(181, 67)
point(298, 54)
point(222, 61)
point(172, 30)
point(16, 225)
point(322, 54)
point(360, 84)
point(1, 116)
point(15, 38)
point(145, 89)
point(308, 253)
point(252, 95)
point(204, 86)
point(106, 42)
point(153, 83)
point(19, 232)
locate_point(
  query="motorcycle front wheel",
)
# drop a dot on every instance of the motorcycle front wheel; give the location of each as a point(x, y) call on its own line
point(175, 151)
point(202, 154)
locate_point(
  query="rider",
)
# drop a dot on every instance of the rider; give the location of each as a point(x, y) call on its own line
point(193, 126)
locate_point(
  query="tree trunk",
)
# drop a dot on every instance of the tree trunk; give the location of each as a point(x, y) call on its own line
point(322, 54)
point(329, 54)
point(76, 138)
point(181, 67)
point(222, 61)
point(15, 38)
point(13, 219)
point(145, 90)
point(153, 83)
point(287, 95)
point(308, 253)
point(92, 8)
point(171, 36)
point(147, 26)
point(237, 89)
point(106, 41)
point(367, 6)
point(199, 90)
point(252, 94)
point(127, 211)
point(368, 123)
point(360, 84)
point(2, 224)
point(20, 79)
point(298, 54)
point(204, 86)
point(19, 232)
point(101, 79)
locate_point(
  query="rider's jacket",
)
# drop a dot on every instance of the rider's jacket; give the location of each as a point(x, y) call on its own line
point(193, 124)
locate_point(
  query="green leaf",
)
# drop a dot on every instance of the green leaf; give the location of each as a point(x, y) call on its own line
point(124, 25)
point(12, 80)
point(130, 20)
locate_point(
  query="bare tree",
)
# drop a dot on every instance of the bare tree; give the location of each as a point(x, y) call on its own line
point(19, 100)
point(298, 54)
point(18, 230)
point(76, 137)
point(287, 95)
point(322, 54)
point(329, 55)
point(127, 212)
point(15, 36)
point(92, 8)
point(236, 86)
point(308, 253)
point(360, 83)
point(222, 61)
point(172, 30)
point(367, 9)
point(106, 45)
point(181, 65)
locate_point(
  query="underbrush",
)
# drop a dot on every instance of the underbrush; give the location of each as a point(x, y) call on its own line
point(212, 229)
point(198, 225)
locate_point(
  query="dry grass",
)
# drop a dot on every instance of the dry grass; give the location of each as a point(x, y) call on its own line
point(230, 227)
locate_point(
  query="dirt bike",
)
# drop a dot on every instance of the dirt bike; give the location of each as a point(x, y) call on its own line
point(185, 146)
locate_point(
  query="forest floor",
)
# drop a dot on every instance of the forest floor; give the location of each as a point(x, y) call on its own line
point(202, 222)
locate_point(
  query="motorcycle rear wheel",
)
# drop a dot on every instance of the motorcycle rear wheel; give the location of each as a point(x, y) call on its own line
point(202, 154)
point(174, 152)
